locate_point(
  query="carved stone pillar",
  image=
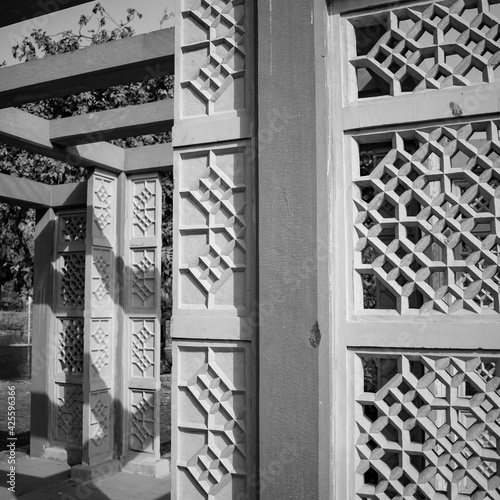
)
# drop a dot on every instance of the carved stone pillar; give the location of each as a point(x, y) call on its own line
point(60, 263)
point(213, 417)
point(102, 309)
point(141, 341)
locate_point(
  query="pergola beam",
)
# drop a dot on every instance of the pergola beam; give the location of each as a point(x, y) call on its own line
point(150, 118)
point(29, 132)
point(149, 158)
point(69, 195)
point(32, 194)
point(137, 58)
point(24, 193)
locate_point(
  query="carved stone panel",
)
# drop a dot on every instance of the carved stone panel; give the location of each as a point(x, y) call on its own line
point(143, 345)
point(103, 206)
point(144, 213)
point(73, 228)
point(427, 425)
point(144, 278)
point(434, 45)
point(215, 213)
point(428, 221)
point(100, 407)
point(72, 280)
point(69, 400)
point(102, 273)
point(213, 55)
point(100, 356)
point(142, 420)
point(70, 346)
point(214, 419)
point(102, 315)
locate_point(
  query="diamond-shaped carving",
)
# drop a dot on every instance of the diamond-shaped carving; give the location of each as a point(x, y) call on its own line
point(143, 276)
point(99, 421)
point(143, 349)
point(144, 211)
point(223, 456)
point(142, 420)
point(69, 413)
point(224, 22)
point(102, 205)
point(102, 274)
point(100, 350)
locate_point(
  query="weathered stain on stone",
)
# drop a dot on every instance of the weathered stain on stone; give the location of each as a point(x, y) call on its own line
point(315, 336)
point(456, 110)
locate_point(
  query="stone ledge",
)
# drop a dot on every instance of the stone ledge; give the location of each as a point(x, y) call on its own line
point(86, 473)
point(71, 456)
point(158, 468)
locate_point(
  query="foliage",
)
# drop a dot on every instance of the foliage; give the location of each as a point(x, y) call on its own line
point(17, 224)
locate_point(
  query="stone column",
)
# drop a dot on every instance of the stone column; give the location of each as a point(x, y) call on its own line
point(141, 341)
point(57, 362)
point(213, 334)
point(102, 310)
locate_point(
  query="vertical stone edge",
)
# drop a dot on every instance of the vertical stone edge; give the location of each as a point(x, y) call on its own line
point(42, 399)
point(288, 247)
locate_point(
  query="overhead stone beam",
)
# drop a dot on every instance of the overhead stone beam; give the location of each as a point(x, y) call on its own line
point(24, 193)
point(149, 158)
point(29, 132)
point(137, 58)
point(150, 118)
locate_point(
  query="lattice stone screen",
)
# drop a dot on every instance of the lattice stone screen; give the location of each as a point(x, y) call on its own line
point(427, 46)
point(416, 176)
point(69, 324)
point(427, 425)
point(427, 219)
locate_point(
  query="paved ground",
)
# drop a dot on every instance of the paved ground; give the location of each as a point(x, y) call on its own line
point(50, 480)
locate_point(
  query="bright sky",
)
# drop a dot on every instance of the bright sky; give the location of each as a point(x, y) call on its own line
point(152, 11)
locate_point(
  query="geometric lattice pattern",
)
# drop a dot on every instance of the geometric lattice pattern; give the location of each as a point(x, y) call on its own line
point(143, 348)
point(222, 202)
point(432, 46)
point(101, 275)
point(215, 27)
point(142, 420)
point(102, 203)
point(428, 220)
point(143, 278)
point(72, 280)
point(69, 413)
point(74, 227)
point(223, 456)
point(70, 355)
point(428, 426)
point(144, 210)
point(99, 351)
